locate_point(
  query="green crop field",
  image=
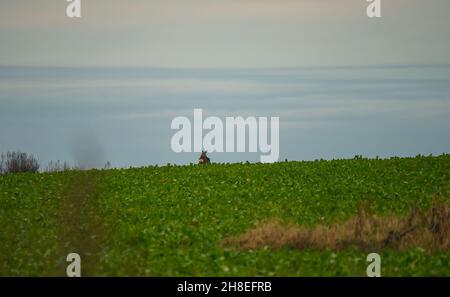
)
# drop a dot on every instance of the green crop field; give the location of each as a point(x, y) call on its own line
point(172, 220)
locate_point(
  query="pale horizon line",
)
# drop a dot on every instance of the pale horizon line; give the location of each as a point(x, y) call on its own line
point(133, 67)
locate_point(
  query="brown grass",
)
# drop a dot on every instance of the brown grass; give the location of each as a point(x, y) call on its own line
point(424, 228)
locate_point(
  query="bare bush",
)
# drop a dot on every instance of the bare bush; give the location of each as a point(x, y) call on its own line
point(2, 162)
point(15, 162)
point(58, 166)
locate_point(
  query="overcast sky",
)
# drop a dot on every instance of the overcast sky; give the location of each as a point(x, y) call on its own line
point(224, 33)
point(124, 114)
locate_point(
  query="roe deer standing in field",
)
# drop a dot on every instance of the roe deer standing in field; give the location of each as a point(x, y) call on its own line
point(203, 158)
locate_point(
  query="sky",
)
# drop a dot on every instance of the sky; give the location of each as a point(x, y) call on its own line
point(89, 116)
point(223, 33)
point(106, 87)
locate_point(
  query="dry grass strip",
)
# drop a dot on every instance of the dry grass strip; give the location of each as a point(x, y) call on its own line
point(424, 228)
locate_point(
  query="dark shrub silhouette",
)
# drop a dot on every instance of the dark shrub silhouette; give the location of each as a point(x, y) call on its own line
point(15, 162)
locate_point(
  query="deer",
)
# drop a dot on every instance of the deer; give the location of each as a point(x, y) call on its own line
point(203, 158)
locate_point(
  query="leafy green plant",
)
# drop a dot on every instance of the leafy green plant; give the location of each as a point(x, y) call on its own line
point(171, 220)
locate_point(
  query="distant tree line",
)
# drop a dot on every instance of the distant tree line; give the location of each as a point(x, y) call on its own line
point(19, 162)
